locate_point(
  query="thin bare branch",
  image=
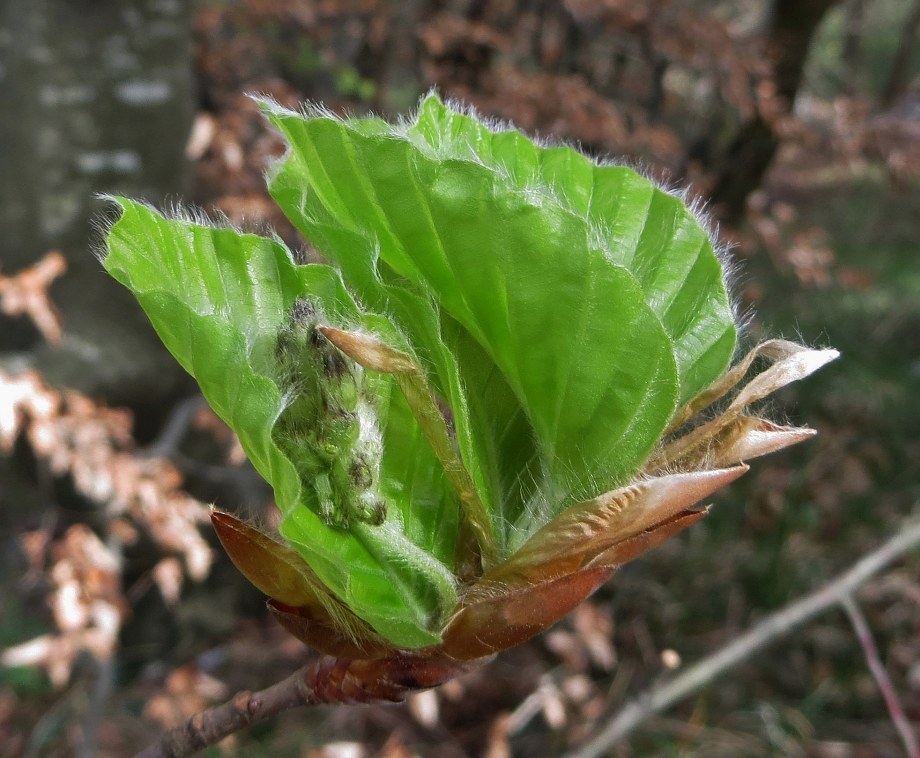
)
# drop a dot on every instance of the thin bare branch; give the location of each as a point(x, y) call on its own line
point(769, 630)
point(890, 695)
point(325, 680)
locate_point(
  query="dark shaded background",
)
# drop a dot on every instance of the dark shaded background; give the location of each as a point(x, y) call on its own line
point(799, 121)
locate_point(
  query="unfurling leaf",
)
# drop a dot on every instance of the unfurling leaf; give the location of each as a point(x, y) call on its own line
point(490, 398)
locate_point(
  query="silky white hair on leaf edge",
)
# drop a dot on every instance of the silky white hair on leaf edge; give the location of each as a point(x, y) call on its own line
point(694, 203)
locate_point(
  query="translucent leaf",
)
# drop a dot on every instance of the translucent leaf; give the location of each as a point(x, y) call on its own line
point(648, 231)
point(219, 300)
point(568, 331)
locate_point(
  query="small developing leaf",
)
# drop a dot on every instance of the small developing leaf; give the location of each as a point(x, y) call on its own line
point(564, 310)
point(488, 401)
point(222, 301)
point(373, 353)
point(329, 428)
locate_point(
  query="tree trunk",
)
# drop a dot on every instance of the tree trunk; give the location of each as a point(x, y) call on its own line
point(852, 53)
point(792, 26)
point(899, 73)
point(97, 98)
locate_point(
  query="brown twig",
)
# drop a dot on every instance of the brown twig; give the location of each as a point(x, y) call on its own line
point(770, 629)
point(892, 702)
point(325, 680)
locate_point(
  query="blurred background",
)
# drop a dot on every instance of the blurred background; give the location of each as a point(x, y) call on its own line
point(798, 121)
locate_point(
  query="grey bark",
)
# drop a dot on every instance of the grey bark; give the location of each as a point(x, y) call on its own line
point(95, 97)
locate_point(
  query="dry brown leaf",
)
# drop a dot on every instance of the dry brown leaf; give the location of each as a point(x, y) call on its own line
point(26, 294)
point(792, 362)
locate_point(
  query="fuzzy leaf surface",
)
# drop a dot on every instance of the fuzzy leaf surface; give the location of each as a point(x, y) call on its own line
point(518, 286)
point(641, 227)
point(218, 299)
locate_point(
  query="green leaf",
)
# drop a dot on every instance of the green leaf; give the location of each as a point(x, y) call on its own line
point(650, 232)
point(555, 316)
point(433, 419)
point(219, 300)
point(415, 312)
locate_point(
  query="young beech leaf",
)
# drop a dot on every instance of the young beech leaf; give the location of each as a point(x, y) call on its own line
point(490, 399)
point(639, 226)
point(221, 301)
point(590, 368)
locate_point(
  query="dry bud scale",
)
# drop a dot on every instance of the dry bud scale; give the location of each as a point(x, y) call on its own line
point(499, 389)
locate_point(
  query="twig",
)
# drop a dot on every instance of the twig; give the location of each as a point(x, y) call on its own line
point(326, 680)
point(167, 443)
point(770, 629)
point(100, 693)
point(104, 683)
point(866, 641)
